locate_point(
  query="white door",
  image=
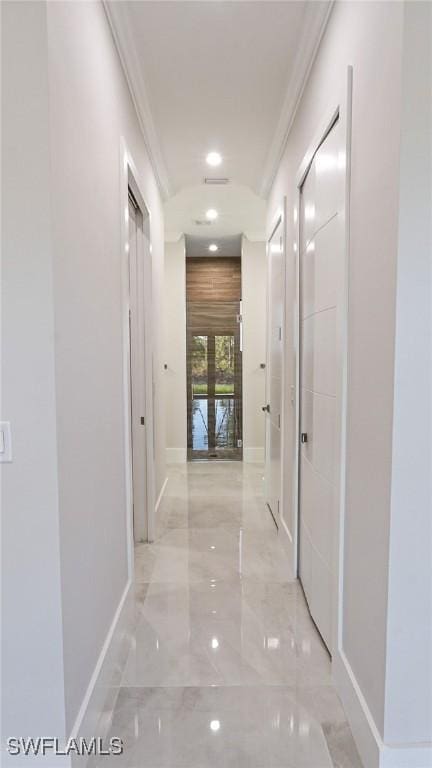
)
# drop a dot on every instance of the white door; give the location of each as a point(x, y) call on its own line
point(321, 253)
point(273, 406)
point(137, 373)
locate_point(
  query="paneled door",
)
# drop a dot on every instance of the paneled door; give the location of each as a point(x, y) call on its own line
point(321, 253)
point(137, 375)
point(273, 406)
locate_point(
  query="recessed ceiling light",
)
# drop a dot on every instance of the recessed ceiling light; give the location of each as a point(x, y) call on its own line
point(213, 247)
point(214, 158)
point(211, 214)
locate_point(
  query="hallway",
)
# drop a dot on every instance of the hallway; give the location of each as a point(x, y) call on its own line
point(216, 244)
point(225, 666)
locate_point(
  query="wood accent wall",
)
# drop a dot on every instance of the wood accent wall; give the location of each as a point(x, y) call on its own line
point(218, 317)
point(210, 278)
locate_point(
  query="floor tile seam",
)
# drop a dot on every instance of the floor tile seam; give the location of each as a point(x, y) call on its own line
point(227, 496)
point(205, 528)
point(217, 582)
point(228, 686)
point(218, 527)
point(231, 534)
point(229, 528)
point(241, 578)
point(202, 581)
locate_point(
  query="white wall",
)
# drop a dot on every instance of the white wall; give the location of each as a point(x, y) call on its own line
point(254, 277)
point(78, 84)
point(370, 37)
point(408, 714)
point(32, 654)
point(175, 351)
point(86, 79)
point(357, 34)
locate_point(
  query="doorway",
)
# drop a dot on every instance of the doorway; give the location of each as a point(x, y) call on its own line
point(274, 380)
point(321, 267)
point(140, 374)
point(214, 359)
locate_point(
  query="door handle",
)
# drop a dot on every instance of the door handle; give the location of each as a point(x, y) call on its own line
point(266, 408)
point(304, 437)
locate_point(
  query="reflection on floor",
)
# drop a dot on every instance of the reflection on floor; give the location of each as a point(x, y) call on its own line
point(224, 431)
point(225, 667)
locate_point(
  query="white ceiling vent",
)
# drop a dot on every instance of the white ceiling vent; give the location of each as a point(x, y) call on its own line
point(208, 180)
point(201, 222)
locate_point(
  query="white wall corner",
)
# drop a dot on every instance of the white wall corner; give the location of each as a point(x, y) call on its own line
point(362, 724)
point(373, 751)
point(408, 689)
point(253, 454)
point(176, 455)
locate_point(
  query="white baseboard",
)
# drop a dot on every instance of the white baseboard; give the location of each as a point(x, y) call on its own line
point(253, 455)
point(373, 751)
point(101, 690)
point(176, 455)
point(362, 724)
point(161, 493)
point(286, 541)
point(103, 686)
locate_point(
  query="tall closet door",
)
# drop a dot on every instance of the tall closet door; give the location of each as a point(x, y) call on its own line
point(137, 377)
point(321, 251)
point(273, 407)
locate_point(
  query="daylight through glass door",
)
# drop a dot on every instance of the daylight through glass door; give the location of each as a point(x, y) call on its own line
point(214, 358)
point(215, 425)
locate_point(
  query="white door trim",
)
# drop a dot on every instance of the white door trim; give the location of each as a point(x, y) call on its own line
point(129, 177)
point(341, 110)
point(279, 218)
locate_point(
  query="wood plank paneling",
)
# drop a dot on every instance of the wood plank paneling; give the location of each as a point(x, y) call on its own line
point(213, 279)
point(216, 317)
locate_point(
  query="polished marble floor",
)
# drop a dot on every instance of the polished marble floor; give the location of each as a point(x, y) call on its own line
point(224, 666)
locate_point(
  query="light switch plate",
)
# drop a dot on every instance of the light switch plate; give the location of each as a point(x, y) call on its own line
point(5, 442)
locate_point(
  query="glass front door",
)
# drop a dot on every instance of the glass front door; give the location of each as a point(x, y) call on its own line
point(214, 396)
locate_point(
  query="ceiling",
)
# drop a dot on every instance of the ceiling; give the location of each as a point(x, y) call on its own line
point(239, 208)
point(216, 75)
point(227, 246)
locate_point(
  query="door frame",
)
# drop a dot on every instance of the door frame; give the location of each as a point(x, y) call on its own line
point(130, 179)
point(341, 110)
point(237, 452)
point(278, 218)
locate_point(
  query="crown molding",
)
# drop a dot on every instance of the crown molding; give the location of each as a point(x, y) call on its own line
point(315, 22)
point(118, 20)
